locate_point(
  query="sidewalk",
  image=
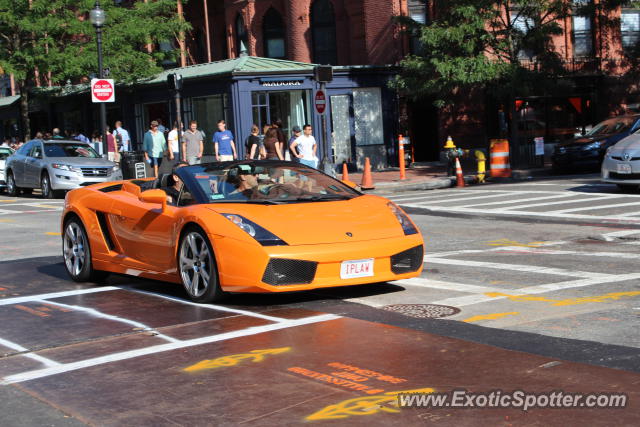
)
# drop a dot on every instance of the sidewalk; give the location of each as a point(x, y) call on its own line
point(388, 181)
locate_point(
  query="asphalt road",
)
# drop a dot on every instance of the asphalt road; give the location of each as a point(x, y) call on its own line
point(537, 293)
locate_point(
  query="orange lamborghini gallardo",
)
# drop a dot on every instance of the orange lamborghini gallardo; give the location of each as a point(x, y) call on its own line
point(244, 226)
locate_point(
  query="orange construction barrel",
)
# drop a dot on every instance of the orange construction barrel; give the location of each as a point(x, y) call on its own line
point(499, 158)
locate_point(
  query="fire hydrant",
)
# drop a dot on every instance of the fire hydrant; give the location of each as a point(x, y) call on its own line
point(451, 153)
point(482, 168)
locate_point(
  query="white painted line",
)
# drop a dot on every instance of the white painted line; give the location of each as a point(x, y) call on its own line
point(95, 313)
point(531, 199)
point(465, 198)
point(541, 251)
point(539, 289)
point(210, 306)
point(429, 196)
point(68, 367)
point(18, 347)
point(593, 208)
point(19, 300)
point(437, 284)
point(609, 237)
point(517, 267)
point(561, 202)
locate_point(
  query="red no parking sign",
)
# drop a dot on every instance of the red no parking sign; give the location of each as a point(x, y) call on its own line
point(103, 90)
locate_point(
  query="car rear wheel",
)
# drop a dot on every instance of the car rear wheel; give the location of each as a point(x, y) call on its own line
point(77, 253)
point(197, 267)
point(12, 189)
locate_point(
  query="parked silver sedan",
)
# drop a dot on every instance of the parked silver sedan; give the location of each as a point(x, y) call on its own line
point(55, 166)
point(621, 165)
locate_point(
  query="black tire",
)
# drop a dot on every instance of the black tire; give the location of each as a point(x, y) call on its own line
point(76, 253)
point(45, 186)
point(197, 266)
point(627, 187)
point(12, 188)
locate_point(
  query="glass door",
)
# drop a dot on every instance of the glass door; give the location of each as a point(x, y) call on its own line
point(341, 129)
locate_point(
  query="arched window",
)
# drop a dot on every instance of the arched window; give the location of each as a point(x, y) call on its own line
point(323, 31)
point(241, 34)
point(273, 33)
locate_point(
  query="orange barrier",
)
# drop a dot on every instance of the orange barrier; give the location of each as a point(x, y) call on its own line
point(403, 174)
point(499, 158)
point(345, 172)
point(459, 175)
point(367, 179)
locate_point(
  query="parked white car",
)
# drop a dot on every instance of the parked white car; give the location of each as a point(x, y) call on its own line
point(621, 164)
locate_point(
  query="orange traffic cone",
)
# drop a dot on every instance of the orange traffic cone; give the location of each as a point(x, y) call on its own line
point(345, 176)
point(367, 180)
point(459, 176)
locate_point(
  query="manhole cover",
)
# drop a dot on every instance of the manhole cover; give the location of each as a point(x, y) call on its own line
point(423, 311)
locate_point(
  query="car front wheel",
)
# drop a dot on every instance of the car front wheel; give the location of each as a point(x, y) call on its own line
point(77, 253)
point(45, 187)
point(197, 267)
point(12, 189)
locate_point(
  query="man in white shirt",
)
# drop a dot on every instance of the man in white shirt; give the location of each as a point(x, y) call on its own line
point(173, 146)
point(306, 147)
point(122, 135)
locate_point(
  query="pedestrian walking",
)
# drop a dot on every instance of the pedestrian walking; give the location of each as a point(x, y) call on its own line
point(122, 137)
point(254, 149)
point(307, 147)
point(112, 150)
point(56, 134)
point(225, 148)
point(272, 146)
point(192, 144)
point(154, 146)
point(161, 127)
point(295, 133)
point(282, 139)
point(173, 143)
point(78, 136)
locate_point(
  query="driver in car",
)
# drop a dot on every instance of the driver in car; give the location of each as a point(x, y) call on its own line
point(248, 185)
point(174, 184)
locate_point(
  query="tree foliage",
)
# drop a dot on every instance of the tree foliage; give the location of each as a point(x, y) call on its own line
point(56, 36)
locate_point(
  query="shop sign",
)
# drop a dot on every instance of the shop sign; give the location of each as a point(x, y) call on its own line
point(276, 83)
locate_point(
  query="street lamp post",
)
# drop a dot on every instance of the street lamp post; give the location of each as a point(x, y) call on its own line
point(98, 16)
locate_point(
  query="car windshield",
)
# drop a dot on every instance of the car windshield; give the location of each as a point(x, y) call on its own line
point(265, 182)
point(612, 126)
point(61, 149)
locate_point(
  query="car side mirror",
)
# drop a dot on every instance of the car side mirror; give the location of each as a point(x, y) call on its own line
point(155, 196)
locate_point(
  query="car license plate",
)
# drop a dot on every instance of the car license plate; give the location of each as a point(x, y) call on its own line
point(356, 268)
point(624, 168)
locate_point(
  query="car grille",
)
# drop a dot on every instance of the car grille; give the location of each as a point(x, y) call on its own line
point(615, 175)
point(95, 172)
point(407, 261)
point(632, 159)
point(281, 271)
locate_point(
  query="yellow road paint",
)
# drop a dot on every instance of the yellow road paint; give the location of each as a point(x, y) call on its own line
point(225, 361)
point(365, 405)
point(507, 242)
point(569, 301)
point(44, 206)
point(53, 233)
point(490, 316)
point(8, 201)
point(7, 220)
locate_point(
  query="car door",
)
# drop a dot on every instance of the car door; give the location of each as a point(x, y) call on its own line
point(33, 166)
point(17, 163)
point(145, 233)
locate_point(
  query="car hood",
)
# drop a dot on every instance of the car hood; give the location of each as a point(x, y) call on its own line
point(630, 144)
point(584, 140)
point(81, 161)
point(366, 218)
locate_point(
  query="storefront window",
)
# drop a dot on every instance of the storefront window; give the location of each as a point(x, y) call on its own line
point(207, 111)
point(367, 106)
point(582, 38)
point(323, 27)
point(292, 107)
point(274, 32)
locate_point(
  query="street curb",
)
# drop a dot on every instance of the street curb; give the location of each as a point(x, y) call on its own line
point(396, 187)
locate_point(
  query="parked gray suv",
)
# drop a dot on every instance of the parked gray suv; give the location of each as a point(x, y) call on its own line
point(57, 165)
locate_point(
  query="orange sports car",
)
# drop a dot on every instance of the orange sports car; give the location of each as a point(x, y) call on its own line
point(244, 226)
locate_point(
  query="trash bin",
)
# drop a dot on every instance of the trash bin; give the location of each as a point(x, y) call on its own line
point(133, 165)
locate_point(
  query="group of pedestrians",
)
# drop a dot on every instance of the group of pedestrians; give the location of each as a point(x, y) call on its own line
point(272, 144)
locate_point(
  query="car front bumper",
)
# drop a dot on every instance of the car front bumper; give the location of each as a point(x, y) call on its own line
point(611, 175)
point(68, 180)
point(577, 158)
point(238, 274)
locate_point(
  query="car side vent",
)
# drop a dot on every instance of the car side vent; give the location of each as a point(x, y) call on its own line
point(104, 228)
point(282, 271)
point(111, 188)
point(407, 261)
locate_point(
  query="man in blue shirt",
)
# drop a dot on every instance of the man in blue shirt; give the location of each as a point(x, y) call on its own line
point(225, 149)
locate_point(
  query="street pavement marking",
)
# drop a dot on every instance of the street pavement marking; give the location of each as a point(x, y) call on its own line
point(53, 233)
point(517, 267)
point(29, 298)
point(560, 202)
point(46, 362)
point(114, 357)
point(544, 251)
point(8, 201)
point(530, 199)
point(437, 284)
point(95, 313)
point(568, 301)
point(539, 289)
point(490, 316)
point(595, 207)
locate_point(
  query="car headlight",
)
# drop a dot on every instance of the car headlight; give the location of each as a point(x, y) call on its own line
point(607, 154)
point(64, 167)
point(262, 235)
point(115, 168)
point(593, 146)
point(403, 219)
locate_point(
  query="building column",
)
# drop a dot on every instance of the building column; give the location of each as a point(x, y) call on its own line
point(249, 16)
point(298, 25)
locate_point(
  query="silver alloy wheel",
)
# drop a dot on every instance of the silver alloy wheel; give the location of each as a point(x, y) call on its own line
point(44, 186)
point(74, 248)
point(195, 264)
point(11, 184)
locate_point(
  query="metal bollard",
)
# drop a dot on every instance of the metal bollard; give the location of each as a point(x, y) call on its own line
point(403, 174)
point(482, 168)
